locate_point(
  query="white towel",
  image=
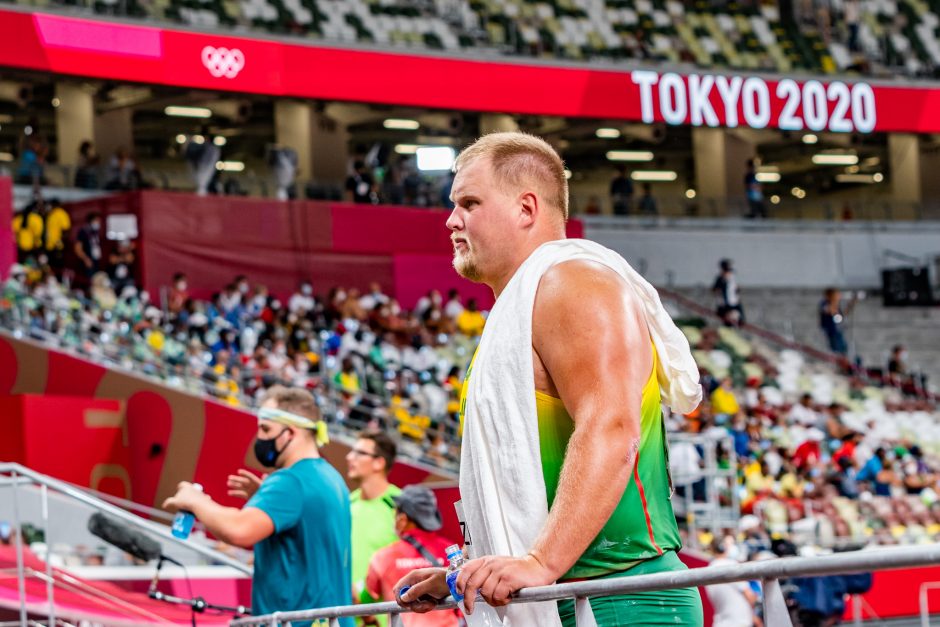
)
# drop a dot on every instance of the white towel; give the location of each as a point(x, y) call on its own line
point(501, 482)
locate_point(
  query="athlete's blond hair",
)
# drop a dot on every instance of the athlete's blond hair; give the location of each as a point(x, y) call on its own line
point(522, 160)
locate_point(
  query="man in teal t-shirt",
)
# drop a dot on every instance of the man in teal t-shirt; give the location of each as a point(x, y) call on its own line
point(297, 518)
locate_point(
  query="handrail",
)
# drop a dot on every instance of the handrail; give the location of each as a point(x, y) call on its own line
point(103, 506)
point(766, 571)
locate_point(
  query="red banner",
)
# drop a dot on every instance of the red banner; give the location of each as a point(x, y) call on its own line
point(124, 52)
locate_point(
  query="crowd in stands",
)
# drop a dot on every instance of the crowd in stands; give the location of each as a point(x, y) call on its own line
point(375, 363)
point(824, 36)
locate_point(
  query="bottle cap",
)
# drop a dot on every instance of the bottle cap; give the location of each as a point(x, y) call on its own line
point(453, 550)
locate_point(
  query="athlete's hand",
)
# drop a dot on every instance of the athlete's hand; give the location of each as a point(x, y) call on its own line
point(244, 484)
point(497, 578)
point(428, 587)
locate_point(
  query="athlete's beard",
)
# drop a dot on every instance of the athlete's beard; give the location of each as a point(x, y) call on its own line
point(465, 267)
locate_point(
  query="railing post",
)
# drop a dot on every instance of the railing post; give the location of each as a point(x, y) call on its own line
point(583, 614)
point(857, 609)
point(18, 529)
point(776, 613)
point(396, 621)
point(924, 613)
point(50, 581)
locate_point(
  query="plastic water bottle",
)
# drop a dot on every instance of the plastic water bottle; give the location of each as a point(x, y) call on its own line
point(183, 521)
point(483, 615)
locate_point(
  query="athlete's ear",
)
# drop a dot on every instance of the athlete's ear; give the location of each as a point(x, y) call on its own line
point(528, 208)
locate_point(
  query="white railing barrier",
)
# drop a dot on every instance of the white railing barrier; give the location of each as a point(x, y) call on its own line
point(769, 572)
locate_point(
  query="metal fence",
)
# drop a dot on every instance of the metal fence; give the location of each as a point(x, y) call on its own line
point(768, 572)
point(19, 478)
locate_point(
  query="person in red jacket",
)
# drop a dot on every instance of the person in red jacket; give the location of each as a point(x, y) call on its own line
point(417, 518)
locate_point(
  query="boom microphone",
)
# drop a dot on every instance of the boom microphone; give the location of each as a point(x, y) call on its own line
point(123, 537)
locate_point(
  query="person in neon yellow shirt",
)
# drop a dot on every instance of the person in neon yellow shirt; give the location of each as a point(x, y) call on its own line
point(470, 321)
point(372, 506)
point(724, 400)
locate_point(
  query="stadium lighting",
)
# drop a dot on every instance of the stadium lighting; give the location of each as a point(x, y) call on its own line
point(180, 139)
point(188, 112)
point(230, 166)
point(798, 192)
point(767, 177)
point(629, 155)
point(219, 141)
point(690, 194)
point(399, 124)
point(775, 200)
point(809, 138)
point(435, 158)
point(653, 175)
point(199, 139)
point(828, 158)
point(406, 149)
point(867, 179)
point(6, 156)
point(567, 173)
point(607, 133)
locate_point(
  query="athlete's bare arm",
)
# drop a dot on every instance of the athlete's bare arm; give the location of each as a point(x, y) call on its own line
point(592, 345)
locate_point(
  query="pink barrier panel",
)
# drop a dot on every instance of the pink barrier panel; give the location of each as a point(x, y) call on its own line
point(415, 274)
point(389, 230)
point(7, 244)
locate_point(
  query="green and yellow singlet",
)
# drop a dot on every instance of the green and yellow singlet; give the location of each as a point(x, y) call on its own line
point(643, 525)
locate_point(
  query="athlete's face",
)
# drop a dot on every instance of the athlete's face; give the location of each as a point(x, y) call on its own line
point(481, 223)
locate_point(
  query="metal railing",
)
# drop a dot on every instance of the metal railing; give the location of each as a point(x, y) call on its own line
point(768, 572)
point(19, 477)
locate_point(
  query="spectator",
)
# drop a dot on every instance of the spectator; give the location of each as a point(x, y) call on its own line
point(432, 299)
point(302, 301)
point(897, 365)
point(416, 520)
point(179, 293)
point(470, 322)
point(621, 193)
point(121, 265)
point(55, 231)
point(28, 230)
point(723, 399)
point(725, 287)
point(88, 245)
point(851, 13)
point(360, 186)
point(374, 297)
point(31, 170)
point(733, 603)
point(372, 503)
point(647, 205)
point(753, 191)
point(875, 472)
point(86, 173)
point(297, 517)
point(831, 318)
point(453, 307)
point(122, 171)
point(803, 413)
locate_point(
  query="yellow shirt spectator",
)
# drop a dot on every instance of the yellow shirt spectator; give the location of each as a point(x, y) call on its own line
point(58, 222)
point(724, 401)
point(470, 322)
point(29, 231)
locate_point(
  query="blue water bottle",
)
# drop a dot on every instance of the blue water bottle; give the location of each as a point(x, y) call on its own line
point(183, 521)
point(483, 615)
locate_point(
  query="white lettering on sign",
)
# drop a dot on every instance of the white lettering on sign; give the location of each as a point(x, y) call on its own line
point(837, 107)
point(700, 105)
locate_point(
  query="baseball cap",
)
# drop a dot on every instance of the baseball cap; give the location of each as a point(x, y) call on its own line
point(420, 505)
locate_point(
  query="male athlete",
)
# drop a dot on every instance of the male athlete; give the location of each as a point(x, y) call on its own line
point(602, 439)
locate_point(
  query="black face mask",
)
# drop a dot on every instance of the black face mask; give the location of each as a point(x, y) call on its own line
point(266, 450)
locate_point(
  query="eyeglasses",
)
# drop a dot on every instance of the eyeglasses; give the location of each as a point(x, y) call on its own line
point(359, 451)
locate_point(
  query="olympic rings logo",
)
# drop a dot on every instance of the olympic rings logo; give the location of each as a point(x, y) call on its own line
point(222, 61)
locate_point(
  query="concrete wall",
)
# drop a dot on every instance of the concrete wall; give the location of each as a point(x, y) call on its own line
point(686, 253)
